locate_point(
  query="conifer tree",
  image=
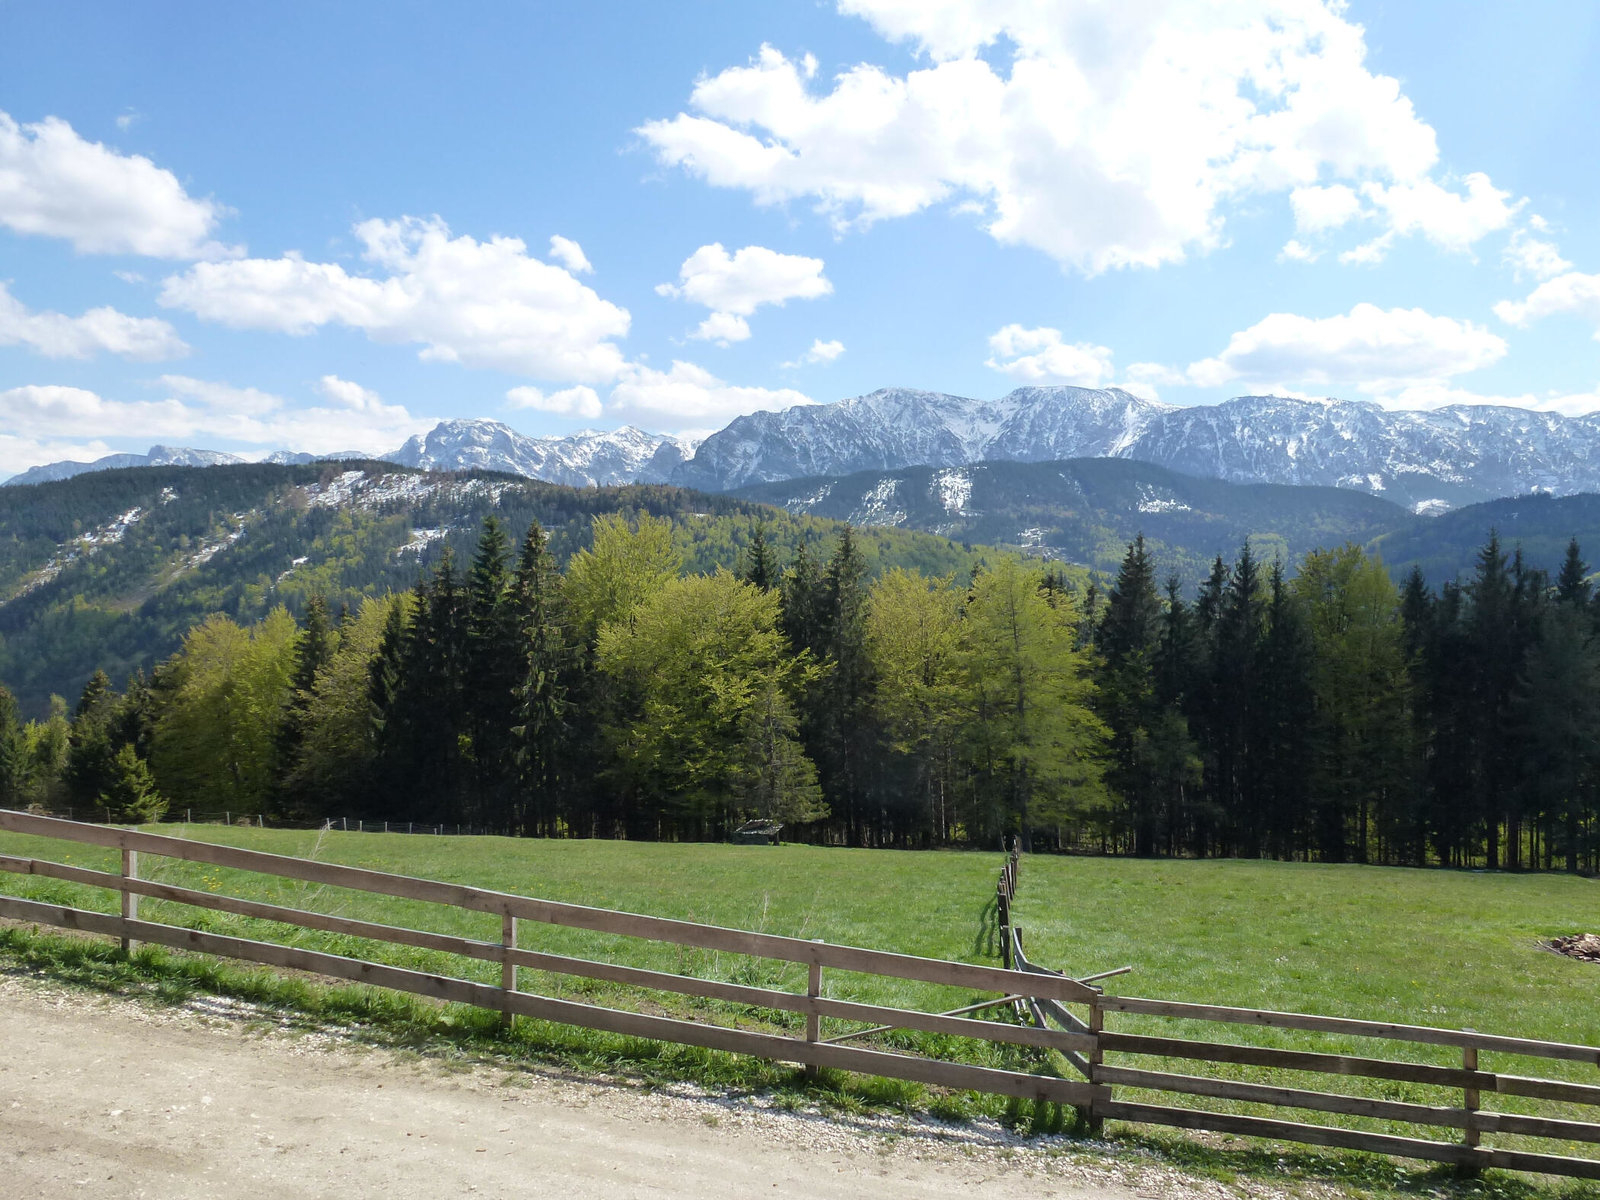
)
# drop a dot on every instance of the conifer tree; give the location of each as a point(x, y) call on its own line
point(841, 722)
point(492, 672)
point(13, 756)
point(1129, 643)
point(541, 731)
point(758, 564)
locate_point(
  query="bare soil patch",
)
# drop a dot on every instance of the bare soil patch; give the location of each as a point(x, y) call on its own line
point(106, 1097)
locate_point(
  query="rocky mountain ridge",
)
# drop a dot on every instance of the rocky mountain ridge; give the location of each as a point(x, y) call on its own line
point(1428, 461)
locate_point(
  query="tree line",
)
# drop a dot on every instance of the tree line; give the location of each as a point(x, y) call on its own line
point(1328, 715)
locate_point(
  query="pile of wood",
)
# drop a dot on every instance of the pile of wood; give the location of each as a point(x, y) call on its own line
point(1585, 946)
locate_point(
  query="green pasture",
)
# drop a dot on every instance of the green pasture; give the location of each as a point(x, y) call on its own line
point(1454, 949)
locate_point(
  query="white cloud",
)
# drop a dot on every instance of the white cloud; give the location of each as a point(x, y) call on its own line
point(54, 183)
point(349, 394)
point(1369, 348)
point(481, 304)
point(20, 453)
point(1319, 209)
point(1529, 255)
point(1438, 395)
point(1296, 251)
point(1041, 356)
point(1451, 220)
point(821, 353)
point(1573, 292)
point(39, 419)
point(1105, 135)
point(722, 328)
point(579, 401)
point(570, 255)
point(742, 282)
point(100, 330)
point(688, 396)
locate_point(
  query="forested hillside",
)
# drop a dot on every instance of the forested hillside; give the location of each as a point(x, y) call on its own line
point(110, 570)
point(1087, 510)
point(1317, 714)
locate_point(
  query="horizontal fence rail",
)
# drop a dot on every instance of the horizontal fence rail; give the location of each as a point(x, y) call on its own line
point(1467, 1083)
point(1042, 998)
point(810, 1051)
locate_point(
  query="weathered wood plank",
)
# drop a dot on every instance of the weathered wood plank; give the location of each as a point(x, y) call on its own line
point(1043, 1088)
point(1545, 1164)
point(576, 916)
point(1572, 1131)
point(1297, 1060)
point(1257, 1093)
point(1546, 1089)
point(1424, 1034)
point(1292, 1131)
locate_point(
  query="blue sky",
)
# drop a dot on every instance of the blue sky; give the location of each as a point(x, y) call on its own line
point(328, 226)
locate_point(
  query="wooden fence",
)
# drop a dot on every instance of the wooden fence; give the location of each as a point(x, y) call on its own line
point(811, 1049)
point(1465, 1085)
point(1096, 1055)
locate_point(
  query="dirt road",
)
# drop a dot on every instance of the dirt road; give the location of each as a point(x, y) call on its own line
point(114, 1098)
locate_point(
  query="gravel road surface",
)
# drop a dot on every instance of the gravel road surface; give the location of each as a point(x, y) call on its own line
point(105, 1097)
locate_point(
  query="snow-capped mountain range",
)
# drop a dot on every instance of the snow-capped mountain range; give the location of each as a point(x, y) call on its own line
point(1428, 460)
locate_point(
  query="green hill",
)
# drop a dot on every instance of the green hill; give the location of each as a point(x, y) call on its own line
point(110, 569)
point(1445, 546)
point(1086, 510)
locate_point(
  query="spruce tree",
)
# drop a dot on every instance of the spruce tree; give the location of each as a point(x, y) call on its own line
point(13, 757)
point(492, 672)
point(1129, 643)
point(547, 664)
point(758, 564)
point(1572, 584)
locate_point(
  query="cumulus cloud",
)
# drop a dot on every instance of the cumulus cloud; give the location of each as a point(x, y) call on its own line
point(1042, 356)
point(1527, 254)
point(570, 255)
point(40, 419)
point(1573, 292)
point(734, 285)
point(722, 328)
point(1371, 349)
point(579, 401)
point(55, 183)
point(481, 304)
point(101, 330)
point(1438, 395)
point(821, 353)
point(350, 394)
point(688, 396)
point(1104, 135)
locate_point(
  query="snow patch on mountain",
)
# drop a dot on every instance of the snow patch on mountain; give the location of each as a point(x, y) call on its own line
point(954, 489)
point(590, 458)
point(159, 456)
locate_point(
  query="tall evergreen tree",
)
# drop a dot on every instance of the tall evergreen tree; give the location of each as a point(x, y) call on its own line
point(492, 674)
point(758, 564)
point(841, 722)
point(542, 695)
point(1129, 643)
point(13, 754)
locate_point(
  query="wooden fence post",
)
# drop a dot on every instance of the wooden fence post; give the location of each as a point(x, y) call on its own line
point(813, 1017)
point(130, 900)
point(1470, 1099)
point(1097, 1058)
point(508, 968)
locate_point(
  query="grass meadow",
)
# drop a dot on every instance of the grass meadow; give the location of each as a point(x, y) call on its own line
point(1455, 949)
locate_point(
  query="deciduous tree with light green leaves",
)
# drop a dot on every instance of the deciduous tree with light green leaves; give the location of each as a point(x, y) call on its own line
point(1361, 692)
point(627, 564)
point(712, 739)
point(1036, 745)
point(216, 741)
point(914, 644)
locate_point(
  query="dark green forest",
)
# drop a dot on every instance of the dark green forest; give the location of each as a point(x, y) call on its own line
point(1320, 713)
